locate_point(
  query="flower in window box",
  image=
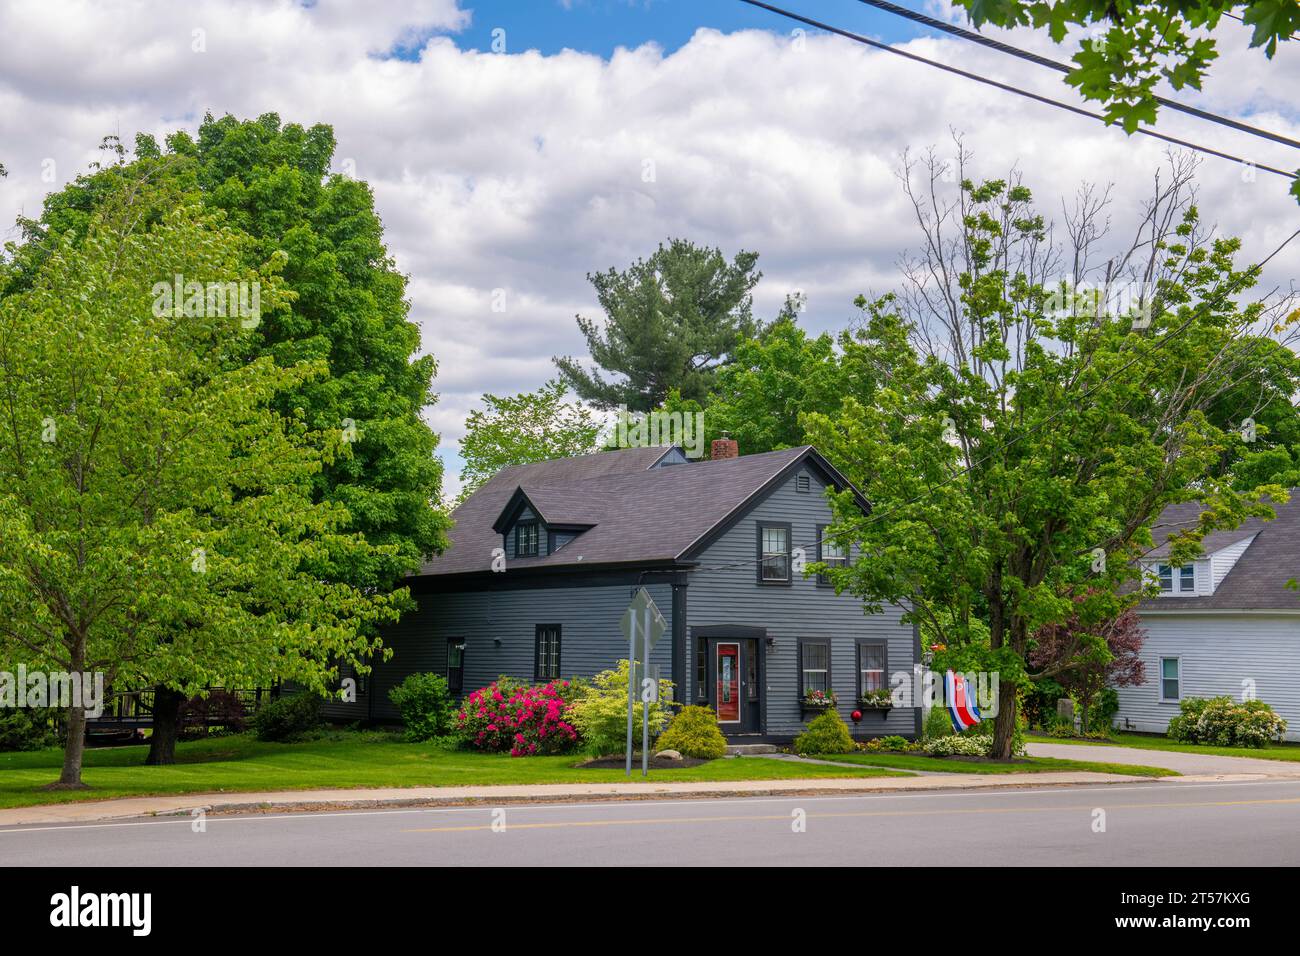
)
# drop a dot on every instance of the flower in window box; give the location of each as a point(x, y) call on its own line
point(879, 699)
point(819, 700)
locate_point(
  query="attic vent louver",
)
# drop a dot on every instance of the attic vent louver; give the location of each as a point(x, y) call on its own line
point(802, 483)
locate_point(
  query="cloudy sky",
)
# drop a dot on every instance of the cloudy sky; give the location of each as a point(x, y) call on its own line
point(508, 141)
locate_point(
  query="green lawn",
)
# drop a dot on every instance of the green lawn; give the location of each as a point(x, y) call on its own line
point(1034, 765)
point(1151, 742)
point(232, 764)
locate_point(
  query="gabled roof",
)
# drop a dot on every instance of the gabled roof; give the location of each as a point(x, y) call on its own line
point(1257, 581)
point(635, 513)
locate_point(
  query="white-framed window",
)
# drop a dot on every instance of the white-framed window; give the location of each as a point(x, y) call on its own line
point(1171, 679)
point(774, 553)
point(1180, 580)
point(526, 538)
point(815, 666)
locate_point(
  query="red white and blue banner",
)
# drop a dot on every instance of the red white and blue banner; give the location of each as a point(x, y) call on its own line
point(960, 695)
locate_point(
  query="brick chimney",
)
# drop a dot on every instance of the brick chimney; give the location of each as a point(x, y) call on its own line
point(724, 448)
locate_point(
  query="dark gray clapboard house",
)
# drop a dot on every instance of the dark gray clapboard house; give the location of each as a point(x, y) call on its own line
point(712, 541)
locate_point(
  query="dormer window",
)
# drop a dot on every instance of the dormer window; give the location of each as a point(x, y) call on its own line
point(526, 537)
point(1181, 580)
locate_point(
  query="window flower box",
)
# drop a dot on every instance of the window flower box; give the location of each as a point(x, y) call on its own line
point(880, 700)
point(816, 701)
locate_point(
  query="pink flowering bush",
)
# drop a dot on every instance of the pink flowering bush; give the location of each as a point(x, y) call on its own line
point(509, 716)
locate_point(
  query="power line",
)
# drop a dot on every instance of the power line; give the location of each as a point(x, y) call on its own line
point(857, 37)
point(1060, 67)
point(1239, 19)
point(961, 472)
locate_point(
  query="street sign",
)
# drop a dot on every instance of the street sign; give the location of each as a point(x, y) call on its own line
point(643, 625)
point(642, 612)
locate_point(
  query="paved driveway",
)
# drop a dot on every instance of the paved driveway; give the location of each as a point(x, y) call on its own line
point(1184, 763)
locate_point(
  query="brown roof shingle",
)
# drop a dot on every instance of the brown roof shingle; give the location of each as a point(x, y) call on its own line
point(1258, 580)
point(637, 513)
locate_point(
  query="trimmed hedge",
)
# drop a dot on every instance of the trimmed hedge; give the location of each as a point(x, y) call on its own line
point(287, 719)
point(826, 734)
point(425, 704)
point(694, 732)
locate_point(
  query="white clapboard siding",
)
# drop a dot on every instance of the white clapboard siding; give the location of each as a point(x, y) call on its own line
point(1218, 652)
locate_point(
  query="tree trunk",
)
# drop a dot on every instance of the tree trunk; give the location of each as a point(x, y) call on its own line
point(167, 705)
point(74, 744)
point(74, 748)
point(1004, 725)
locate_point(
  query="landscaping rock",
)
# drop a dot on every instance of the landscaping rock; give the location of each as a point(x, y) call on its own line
point(668, 755)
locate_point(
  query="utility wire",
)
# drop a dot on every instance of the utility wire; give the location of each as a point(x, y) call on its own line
point(1060, 67)
point(961, 472)
point(847, 34)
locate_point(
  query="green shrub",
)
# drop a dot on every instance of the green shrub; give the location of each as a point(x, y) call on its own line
point(959, 745)
point(937, 723)
point(895, 742)
point(28, 728)
point(694, 732)
point(426, 706)
point(826, 734)
point(287, 719)
point(599, 711)
point(1223, 722)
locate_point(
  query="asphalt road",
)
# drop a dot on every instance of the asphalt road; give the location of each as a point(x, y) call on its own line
point(1154, 824)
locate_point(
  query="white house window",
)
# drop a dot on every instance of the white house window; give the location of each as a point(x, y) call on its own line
point(815, 671)
point(1177, 580)
point(774, 552)
point(526, 539)
point(1170, 679)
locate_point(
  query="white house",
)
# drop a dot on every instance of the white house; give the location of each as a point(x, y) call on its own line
point(1225, 624)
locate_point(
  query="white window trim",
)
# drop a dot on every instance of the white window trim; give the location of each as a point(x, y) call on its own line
point(1161, 678)
point(1176, 579)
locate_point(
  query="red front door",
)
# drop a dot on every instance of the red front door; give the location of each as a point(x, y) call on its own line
point(728, 689)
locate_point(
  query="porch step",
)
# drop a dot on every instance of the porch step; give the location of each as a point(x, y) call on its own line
point(743, 750)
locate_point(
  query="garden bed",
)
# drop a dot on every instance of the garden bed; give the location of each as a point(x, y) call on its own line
point(656, 763)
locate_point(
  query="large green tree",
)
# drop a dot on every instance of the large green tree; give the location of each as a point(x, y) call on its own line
point(524, 428)
point(1130, 47)
point(159, 522)
point(761, 397)
point(1023, 435)
point(349, 313)
point(670, 321)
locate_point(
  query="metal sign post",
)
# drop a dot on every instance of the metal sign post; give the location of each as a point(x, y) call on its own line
point(641, 614)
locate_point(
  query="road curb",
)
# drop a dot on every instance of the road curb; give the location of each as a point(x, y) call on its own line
point(342, 800)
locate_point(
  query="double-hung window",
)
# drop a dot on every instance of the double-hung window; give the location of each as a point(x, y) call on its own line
point(526, 535)
point(546, 656)
point(814, 667)
point(871, 667)
point(1170, 679)
point(1180, 580)
point(773, 553)
point(831, 551)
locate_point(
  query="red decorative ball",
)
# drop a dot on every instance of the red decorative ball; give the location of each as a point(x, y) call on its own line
point(856, 715)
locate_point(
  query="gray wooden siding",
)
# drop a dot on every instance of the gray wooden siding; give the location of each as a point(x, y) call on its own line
point(732, 596)
point(1217, 652)
point(591, 640)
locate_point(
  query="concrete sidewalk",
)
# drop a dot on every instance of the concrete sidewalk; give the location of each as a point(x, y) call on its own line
point(285, 800)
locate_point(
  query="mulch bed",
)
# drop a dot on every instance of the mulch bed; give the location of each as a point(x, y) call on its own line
point(656, 763)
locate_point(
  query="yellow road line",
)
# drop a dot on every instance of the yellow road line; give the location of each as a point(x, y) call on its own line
point(654, 821)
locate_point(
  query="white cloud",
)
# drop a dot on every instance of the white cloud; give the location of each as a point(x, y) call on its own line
point(524, 172)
